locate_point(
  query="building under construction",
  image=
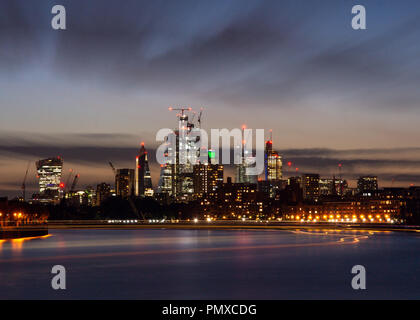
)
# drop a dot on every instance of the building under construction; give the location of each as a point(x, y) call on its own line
point(177, 174)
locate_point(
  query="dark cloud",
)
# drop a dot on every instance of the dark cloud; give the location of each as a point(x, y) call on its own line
point(238, 52)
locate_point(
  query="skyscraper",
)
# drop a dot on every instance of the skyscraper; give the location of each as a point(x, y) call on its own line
point(49, 175)
point(165, 179)
point(143, 180)
point(176, 177)
point(124, 182)
point(272, 163)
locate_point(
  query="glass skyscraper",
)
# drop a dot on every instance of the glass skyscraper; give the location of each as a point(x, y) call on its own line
point(49, 177)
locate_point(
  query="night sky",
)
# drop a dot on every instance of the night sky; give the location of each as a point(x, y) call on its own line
point(93, 92)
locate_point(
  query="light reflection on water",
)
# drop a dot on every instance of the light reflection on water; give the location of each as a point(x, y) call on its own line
point(212, 264)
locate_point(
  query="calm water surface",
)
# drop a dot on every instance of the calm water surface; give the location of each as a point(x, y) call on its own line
point(214, 264)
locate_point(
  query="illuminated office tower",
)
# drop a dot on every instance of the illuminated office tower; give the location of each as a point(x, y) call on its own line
point(49, 175)
point(124, 182)
point(165, 179)
point(272, 163)
point(143, 180)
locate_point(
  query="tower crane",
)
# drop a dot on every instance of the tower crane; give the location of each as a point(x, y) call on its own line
point(68, 179)
point(199, 117)
point(75, 180)
point(180, 109)
point(112, 167)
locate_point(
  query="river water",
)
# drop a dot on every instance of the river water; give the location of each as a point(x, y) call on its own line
point(212, 264)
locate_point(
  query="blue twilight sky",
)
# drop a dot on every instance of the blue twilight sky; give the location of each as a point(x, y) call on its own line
point(91, 93)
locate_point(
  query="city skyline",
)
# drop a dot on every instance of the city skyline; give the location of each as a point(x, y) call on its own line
point(93, 165)
point(93, 92)
point(208, 159)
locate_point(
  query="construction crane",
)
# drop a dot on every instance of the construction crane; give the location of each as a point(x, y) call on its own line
point(24, 182)
point(112, 167)
point(180, 109)
point(68, 179)
point(199, 117)
point(75, 180)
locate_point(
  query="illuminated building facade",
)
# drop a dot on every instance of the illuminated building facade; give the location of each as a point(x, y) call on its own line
point(207, 178)
point(49, 177)
point(86, 197)
point(124, 182)
point(165, 185)
point(326, 187)
point(310, 186)
point(358, 211)
point(331, 187)
point(143, 179)
point(236, 201)
point(272, 163)
point(367, 185)
point(272, 170)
